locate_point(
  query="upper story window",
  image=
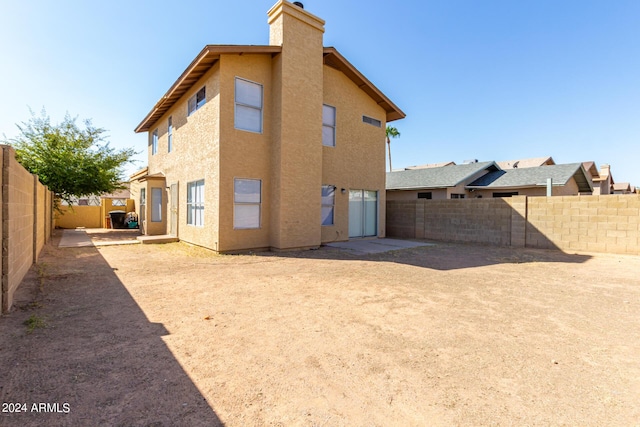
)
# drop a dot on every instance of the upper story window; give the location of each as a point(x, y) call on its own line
point(154, 142)
point(197, 101)
point(373, 122)
point(248, 105)
point(170, 135)
point(328, 126)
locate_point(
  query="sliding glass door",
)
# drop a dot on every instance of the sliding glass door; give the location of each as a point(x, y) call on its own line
point(363, 213)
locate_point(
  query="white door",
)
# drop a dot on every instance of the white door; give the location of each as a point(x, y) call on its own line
point(363, 213)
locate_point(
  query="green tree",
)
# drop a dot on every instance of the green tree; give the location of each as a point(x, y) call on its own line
point(391, 133)
point(71, 161)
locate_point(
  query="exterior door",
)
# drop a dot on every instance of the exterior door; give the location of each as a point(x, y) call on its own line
point(363, 213)
point(174, 210)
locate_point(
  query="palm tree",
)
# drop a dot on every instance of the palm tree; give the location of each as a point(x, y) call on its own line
point(391, 133)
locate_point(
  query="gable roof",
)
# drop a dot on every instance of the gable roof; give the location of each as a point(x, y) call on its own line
point(526, 163)
point(535, 177)
point(208, 57)
point(442, 177)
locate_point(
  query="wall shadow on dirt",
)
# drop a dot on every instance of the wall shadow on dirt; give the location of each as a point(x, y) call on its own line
point(443, 256)
point(98, 352)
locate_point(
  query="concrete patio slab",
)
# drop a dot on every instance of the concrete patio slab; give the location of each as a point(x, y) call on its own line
point(375, 246)
point(77, 238)
point(81, 237)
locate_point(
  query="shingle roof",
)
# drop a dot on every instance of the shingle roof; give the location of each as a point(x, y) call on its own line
point(442, 177)
point(533, 177)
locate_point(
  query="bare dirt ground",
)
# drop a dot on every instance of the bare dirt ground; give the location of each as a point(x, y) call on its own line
point(155, 335)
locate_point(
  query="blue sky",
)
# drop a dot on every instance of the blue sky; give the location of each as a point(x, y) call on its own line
point(487, 80)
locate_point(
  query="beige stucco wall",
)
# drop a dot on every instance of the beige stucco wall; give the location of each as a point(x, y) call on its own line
point(195, 156)
point(79, 216)
point(570, 189)
point(244, 154)
point(358, 159)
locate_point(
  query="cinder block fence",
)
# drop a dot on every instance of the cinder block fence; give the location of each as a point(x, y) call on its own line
point(608, 223)
point(27, 223)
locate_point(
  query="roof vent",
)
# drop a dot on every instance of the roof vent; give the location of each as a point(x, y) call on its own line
point(467, 162)
point(300, 5)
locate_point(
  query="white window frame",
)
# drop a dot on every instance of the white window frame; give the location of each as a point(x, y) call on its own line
point(245, 105)
point(170, 134)
point(195, 203)
point(197, 101)
point(154, 142)
point(246, 203)
point(328, 127)
point(330, 197)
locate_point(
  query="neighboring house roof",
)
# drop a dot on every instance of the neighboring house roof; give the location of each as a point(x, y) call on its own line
point(430, 165)
point(208, 57)
point(118, 194)
point(526, 163)
point(622, 186)
point(592, 169)
point(442, 177)
point(142, 172)
point(534, 177)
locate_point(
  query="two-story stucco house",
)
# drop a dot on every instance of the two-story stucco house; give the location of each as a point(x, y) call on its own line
point(257, 147)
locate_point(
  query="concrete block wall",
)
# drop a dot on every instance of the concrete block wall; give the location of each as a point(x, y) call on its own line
point(25, 202)
point(608, 223)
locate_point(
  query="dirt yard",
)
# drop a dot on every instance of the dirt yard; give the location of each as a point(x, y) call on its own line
point(155, 335)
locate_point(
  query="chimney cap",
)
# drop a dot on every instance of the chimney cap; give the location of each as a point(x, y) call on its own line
point(299, 4)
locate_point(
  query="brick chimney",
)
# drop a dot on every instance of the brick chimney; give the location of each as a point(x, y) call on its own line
point(297, 126)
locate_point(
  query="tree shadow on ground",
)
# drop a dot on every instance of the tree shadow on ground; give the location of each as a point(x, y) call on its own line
point(96, 351)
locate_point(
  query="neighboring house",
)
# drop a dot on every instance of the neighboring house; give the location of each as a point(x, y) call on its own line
point(445, 182)
point(486, 179)
point(256, 147)
point(603, 184)
point(622, 188)
point(567, 180)
point(526, 163)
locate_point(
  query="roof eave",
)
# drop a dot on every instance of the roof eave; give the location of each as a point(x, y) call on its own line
point(198, 67)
